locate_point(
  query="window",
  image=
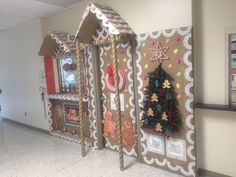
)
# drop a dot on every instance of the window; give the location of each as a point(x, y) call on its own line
point(67, 74)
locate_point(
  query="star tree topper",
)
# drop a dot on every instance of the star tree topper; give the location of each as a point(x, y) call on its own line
point(159, 53)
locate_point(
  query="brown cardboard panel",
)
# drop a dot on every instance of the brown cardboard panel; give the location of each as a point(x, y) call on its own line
point(179, 66)
point(58, 119)
point(48, 47)
point(88, 28)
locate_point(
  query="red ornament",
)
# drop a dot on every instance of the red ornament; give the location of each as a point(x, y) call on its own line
point(145, 77)
point(169, 115)
point(162, 92)
point(177, 61)
point(177, 38)
point(153, 43)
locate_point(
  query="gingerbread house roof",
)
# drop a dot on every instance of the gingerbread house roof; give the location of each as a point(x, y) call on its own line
point(57, 40)
point(96, 13)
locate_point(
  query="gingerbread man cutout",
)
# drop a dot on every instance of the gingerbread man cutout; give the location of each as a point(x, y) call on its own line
point(109, 125)
point(128, 132)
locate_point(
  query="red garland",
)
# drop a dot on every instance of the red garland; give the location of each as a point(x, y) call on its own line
point(110, 72)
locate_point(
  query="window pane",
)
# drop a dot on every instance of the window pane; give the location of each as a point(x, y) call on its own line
point(68, 77)
point(233, 68)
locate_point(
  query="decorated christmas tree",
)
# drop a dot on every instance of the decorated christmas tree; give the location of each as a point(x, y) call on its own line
point(160, 107)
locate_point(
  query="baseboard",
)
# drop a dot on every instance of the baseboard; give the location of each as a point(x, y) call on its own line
point(26, 125)
point(203, 172)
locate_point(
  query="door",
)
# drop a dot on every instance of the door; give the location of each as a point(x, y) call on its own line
point(127, 106)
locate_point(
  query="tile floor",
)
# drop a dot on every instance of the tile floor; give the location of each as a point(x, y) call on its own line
point(28, 153)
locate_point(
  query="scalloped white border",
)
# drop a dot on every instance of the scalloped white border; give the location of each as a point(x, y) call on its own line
point(186, 32)
point(59, 42)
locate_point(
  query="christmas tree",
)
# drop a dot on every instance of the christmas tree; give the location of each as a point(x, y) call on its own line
point(160, 107)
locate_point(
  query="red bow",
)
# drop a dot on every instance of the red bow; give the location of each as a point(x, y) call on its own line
point(110, 72)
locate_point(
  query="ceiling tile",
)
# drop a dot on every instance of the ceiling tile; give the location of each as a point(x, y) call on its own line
point(62, 3)
point(31, 5)
point(15, 12)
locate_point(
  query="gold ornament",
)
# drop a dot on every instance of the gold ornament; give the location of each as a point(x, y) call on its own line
point(150, 112)
point(179, 74)
point(154, 98)
point(164, 116)
point(176, 51)
point(158, 127)
point(166, 84)
point(178, 86)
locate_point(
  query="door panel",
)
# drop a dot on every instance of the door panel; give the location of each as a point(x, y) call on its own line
point(125, 72)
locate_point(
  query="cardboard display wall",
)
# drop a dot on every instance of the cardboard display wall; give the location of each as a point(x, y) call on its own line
point(179, 65)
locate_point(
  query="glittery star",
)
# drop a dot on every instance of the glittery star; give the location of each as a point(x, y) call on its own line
point(159, 54)
point(154, 98)
point(166, 84)
point(150, 112)
point(158, 127)
point(164, 116)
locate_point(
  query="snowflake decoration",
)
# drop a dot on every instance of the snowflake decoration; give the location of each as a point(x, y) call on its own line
point(159, 54)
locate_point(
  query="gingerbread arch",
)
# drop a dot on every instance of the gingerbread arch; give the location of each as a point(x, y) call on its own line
point(100, 26)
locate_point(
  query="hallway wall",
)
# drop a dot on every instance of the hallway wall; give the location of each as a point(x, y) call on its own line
point(134, 12)
point(19, 74)
point(215, 129)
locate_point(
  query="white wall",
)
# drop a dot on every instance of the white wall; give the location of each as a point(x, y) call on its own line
point(142, 16)
point(215, 129)
point(19, 74)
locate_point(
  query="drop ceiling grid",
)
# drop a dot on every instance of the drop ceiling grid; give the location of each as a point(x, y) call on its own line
point(15, 12)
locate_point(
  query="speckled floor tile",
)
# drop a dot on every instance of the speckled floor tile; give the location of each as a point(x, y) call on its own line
point(27, 153)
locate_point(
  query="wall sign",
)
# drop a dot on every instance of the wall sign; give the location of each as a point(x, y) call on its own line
point(176, 149)
point(156, 144)
point(122, 102)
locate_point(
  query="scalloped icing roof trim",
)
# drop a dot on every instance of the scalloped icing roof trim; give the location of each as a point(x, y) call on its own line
point(109, 18)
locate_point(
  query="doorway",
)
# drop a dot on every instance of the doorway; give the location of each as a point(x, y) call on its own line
point(126, 93)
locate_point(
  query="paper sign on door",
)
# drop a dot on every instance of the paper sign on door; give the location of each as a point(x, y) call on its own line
point(122, 102)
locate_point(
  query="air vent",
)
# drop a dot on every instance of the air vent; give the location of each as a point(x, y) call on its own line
point(61, 3)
